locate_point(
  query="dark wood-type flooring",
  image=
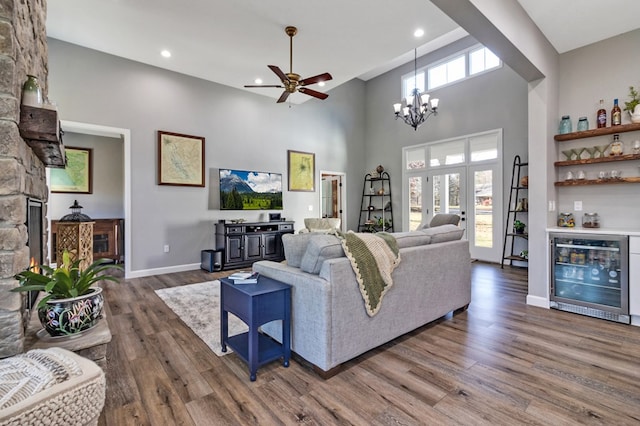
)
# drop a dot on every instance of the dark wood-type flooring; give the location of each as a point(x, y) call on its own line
point(501, 362)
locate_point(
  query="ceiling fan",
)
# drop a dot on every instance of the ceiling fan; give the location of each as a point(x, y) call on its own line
point(291, 82)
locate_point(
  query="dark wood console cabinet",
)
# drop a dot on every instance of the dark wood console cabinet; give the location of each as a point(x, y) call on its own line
point(245, 243)
point(108, 239)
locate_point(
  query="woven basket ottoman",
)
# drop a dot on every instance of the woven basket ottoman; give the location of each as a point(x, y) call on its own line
point(50, 386)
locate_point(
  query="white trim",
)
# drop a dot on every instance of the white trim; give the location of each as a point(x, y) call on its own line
point(166, 270)
point(538, 301)
point(125, 135)
point(343, 196)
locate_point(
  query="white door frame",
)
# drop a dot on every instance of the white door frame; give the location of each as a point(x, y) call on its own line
point(342, 199)
point(427, 199)
point(125, 136)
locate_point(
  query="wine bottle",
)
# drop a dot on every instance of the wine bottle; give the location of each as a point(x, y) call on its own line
point(616, 114)
point(601, 116)
point(613, 272)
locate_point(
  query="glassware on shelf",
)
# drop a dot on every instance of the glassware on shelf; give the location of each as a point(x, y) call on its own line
point(565, 125)
point(636, 146)
point(579, 152)
point(568, 153)
point(600, 149)
point(569, 175)
point(616, 174)
point(580, 175)
point(583, 124)
point(591, 152)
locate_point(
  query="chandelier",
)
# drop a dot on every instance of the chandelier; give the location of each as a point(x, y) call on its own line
point(416, 108)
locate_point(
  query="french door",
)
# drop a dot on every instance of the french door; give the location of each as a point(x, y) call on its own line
point(461, 176)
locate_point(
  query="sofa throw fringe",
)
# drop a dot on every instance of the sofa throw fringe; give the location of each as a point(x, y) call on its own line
point(373, 258)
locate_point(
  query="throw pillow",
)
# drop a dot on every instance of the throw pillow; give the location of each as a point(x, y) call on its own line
point(443, 233)
point(321, 247)
point(295, 245)
point(411, 239)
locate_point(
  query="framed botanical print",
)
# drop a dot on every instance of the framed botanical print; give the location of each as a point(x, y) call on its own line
point(77, 176)
point(180, 159)
point(302, 171)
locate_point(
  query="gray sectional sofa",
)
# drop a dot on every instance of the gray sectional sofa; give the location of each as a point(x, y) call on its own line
point(329, 323)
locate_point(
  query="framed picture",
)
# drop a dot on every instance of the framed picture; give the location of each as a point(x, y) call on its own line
point(180, 159)
point(77, 176)
point(302, 171)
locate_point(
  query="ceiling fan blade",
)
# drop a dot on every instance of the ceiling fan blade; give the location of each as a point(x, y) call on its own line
point(283, 97)
point(313, 93)
point(282, 76)
point(316, 79)
point(264, 85)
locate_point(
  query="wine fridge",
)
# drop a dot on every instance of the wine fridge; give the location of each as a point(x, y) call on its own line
point(590, 275)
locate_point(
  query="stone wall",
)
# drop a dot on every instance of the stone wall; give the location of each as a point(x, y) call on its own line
point(23, 50)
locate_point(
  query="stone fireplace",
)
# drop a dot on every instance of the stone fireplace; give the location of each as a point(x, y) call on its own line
point(23, 50)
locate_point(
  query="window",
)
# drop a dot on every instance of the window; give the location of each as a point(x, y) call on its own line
point(482, 59)
point(450, 71)
point(468, 63)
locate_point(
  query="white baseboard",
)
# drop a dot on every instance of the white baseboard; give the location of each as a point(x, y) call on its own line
point(167, 270)
point(538, 301)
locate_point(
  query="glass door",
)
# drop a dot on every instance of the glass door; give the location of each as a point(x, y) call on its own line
point(590, 272)
point(484, 216)
point(446, 193)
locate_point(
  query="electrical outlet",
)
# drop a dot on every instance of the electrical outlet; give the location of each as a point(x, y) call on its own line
point(577, 206)
point(166, 248)
point(552, 206)
point(310, 207)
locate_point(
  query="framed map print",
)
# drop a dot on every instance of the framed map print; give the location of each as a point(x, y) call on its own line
point(76, 177)
point(180, 159)
point(302, 171)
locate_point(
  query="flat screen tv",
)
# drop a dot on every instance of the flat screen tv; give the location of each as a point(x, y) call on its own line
point(246, 190)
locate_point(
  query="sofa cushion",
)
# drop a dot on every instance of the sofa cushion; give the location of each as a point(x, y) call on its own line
point(295, 245)
point(440, 234)
point(411, 238)
point(320, 248)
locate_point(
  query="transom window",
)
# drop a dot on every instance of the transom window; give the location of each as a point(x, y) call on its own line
point(465, 64)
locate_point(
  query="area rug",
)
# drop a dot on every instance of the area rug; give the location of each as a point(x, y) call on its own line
point(198, 306)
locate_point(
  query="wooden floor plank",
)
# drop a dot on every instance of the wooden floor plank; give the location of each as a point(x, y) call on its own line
point(499, 362)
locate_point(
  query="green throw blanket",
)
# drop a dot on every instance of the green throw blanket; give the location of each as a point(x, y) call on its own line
point(373, 258)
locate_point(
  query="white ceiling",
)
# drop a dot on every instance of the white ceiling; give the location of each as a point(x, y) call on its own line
point(232, 42)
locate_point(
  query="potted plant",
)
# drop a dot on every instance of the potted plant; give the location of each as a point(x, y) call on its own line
point(632, 105)
point(71, 303)
point(518, 226)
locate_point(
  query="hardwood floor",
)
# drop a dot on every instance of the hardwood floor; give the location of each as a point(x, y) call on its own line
point(500, 362)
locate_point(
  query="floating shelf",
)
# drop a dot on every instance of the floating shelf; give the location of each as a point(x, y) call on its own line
point(40, 128)
point(598, 181)
point(607, 159)
point(623, 128)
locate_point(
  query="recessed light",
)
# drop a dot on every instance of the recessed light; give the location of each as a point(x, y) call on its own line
point(165, 53)
point(418, 33)
point(258, 81)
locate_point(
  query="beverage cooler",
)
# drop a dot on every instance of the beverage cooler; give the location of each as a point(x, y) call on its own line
point(590, 275)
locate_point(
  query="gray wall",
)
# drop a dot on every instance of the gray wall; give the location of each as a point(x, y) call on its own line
point(497, 99)
point(242, 130)
point(603, 70)
point(107, 199)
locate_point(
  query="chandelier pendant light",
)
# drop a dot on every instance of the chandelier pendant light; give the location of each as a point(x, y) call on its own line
point(416, 108)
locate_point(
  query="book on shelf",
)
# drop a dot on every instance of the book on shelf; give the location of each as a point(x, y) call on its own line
point(244, 277)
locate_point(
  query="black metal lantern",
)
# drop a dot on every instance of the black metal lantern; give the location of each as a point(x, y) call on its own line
point(75, 215)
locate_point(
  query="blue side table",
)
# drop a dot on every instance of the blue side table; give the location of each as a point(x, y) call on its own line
point(256, 304)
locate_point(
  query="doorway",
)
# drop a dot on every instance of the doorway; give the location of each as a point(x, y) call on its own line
point(125, 136)
point(333, 197)
point(462, 176)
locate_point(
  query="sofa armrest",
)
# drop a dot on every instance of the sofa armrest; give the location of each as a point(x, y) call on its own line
point(310, 331)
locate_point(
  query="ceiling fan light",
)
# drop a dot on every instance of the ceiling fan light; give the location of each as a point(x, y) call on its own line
point(258, 81)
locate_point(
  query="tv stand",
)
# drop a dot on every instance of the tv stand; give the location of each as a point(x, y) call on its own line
point(248, 242)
